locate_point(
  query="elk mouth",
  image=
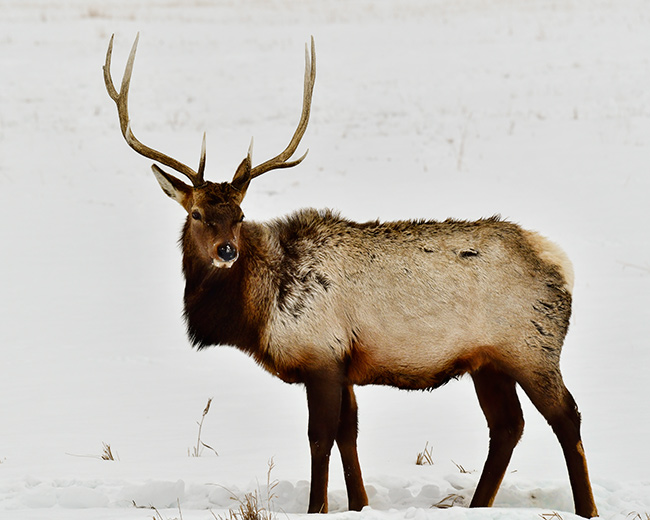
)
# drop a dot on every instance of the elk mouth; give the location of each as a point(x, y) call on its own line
point(222, 263)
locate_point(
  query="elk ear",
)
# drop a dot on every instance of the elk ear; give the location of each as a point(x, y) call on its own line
point(242, 177)
point(173, 187)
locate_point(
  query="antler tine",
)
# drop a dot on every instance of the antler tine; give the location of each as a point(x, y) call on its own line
point(281, 160)
point(202, 160)
point(121, 99)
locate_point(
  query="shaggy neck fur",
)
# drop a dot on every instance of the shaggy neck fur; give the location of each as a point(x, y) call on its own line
point(216, 302)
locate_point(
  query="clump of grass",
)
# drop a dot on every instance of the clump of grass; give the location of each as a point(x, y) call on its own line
point(461, 468)
point(249, 508)
point(639, 516)
point(425, 456)
point(198, 449)
point(107, 452)
point(550, 516)
point(449, 501)
point(254, 505)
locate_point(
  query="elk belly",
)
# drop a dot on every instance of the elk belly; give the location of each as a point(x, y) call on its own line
point(411, 363)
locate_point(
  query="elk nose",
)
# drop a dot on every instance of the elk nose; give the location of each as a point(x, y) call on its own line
point(227, 252)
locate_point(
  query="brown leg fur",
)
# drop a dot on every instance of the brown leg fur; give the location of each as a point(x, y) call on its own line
point(324, 396)
point(557, 406)
point(500, 404)
point(346, 440)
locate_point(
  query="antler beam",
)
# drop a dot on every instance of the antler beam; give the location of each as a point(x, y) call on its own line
point(282, 160)
point(121, 99)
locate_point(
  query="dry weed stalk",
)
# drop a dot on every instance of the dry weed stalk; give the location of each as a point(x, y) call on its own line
point(426, 456)
point(198, 449)
point(461, 468)
point(107, 453)
point(449, 501)
point(157, 515)
point(551, 516)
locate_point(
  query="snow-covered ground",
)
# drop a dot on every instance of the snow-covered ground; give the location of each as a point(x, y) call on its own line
point(537, 110)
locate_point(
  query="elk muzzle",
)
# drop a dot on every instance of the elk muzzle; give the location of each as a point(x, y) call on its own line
point(226, 256)
point(224, 250)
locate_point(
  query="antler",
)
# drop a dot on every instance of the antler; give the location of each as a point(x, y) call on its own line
point(121, 100)
point(280, 161)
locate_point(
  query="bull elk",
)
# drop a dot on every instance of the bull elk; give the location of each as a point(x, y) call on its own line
point(329, 303)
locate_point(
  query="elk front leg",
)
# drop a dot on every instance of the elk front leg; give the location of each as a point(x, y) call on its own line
point(346, 440)
point(324, 393)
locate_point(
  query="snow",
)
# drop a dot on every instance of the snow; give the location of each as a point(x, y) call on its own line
point(538, 110)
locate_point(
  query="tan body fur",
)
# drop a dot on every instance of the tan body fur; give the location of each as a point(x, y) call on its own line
point(409, 303)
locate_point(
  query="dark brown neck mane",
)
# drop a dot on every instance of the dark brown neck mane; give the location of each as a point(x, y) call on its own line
point(215, 299)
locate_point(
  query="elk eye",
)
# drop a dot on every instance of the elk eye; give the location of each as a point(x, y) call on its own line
point(196, 215)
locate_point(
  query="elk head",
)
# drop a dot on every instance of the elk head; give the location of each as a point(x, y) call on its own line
point(214, 209)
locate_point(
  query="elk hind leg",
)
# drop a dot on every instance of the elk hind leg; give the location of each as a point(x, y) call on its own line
point(497, 396)
point(346, 440)
point(551, 397)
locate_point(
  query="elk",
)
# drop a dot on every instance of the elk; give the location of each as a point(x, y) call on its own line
point(328, 303)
